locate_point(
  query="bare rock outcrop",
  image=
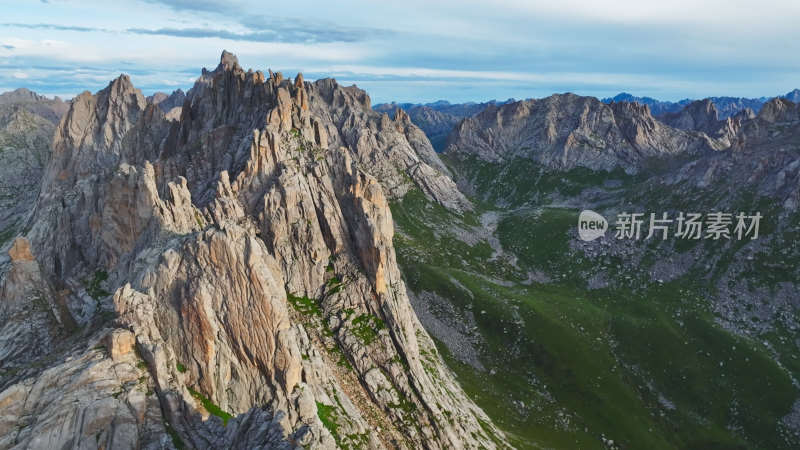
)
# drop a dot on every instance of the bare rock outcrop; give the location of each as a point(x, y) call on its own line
point(233, 276)
point(25, 140)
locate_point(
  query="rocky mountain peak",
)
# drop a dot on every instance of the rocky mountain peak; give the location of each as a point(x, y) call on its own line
point(167, 102)
point(121, 89)
point(630, 109)
point(228, 61)
point(745, 114)
point(245, 254)
point(39, 105)
point(88, 138)
point(21, 95)
point(700, 115)
point(157, 98)
point(779, 110)
point(401, 116)
point(793, 95)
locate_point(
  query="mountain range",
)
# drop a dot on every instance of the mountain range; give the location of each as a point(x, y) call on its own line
point(726, 106)
point(437, 119)
point(266, 262)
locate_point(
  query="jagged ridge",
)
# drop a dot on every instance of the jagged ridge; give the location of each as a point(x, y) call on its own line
point(262, 191)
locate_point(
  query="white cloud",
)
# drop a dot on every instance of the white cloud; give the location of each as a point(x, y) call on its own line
point(483, 49)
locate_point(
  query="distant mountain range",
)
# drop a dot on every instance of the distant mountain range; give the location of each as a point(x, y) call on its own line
point(437, 119)
point(168, 101)
point(50, 109)
point(726, 106)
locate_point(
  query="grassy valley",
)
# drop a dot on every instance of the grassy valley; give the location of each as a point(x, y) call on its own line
point(627, 360)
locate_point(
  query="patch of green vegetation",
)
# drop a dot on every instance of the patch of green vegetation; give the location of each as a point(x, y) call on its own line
point(403, 405)
point(10, 373)
point(181, 368)
point(416, 215)
point(177, 442)
point(328, 418)
point(338, 355)
point(335, 284)
point(211, 407)
point(7, 233)
point(310, 309)
point(404, 175)
point(400, 359)
point(523, 181)
point(93, 285)
point(334, 290)
point(304, 305)
point(366, 327)
point(355, 441)
point(541, 240)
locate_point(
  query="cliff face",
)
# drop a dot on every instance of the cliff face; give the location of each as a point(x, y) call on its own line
point(226, 279)
point(25, 140)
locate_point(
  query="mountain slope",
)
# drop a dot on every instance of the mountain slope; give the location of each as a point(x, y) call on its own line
point(227, 279)
point(645, 343)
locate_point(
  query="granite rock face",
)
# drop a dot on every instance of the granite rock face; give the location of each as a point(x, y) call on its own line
point(25, 140)
point(226, 279)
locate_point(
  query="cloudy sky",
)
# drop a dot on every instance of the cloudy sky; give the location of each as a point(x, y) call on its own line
point(413, 50)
